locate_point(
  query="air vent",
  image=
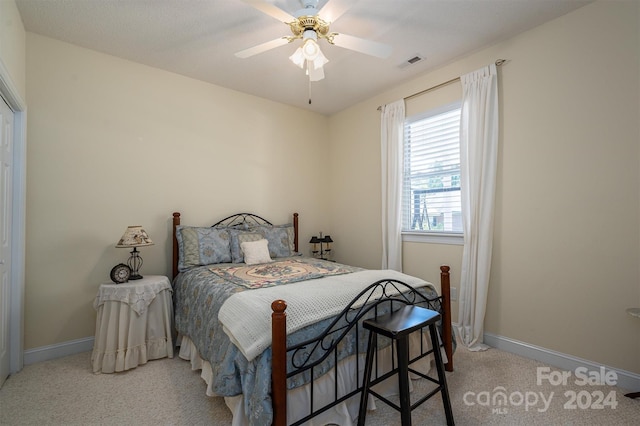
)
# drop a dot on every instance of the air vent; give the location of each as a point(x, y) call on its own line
point(411, 61)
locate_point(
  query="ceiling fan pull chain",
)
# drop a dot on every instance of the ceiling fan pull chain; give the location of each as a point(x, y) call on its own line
point(308, 65)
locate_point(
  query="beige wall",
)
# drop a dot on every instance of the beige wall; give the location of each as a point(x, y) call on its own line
point(566, 241)
point(113, 143)
point(12, 44)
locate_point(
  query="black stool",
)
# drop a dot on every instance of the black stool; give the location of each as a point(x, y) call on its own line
point(397, 326)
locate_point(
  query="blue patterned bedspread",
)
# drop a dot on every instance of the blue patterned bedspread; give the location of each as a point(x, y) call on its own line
point(199, 294)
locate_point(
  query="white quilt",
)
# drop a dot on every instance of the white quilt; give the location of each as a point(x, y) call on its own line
point(246, 316)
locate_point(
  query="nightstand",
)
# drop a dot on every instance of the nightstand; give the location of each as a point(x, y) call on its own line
point(133, 325)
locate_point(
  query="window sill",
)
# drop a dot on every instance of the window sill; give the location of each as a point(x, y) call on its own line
point(433, 238)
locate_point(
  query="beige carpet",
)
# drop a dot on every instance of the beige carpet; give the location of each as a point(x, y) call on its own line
point(167, 392)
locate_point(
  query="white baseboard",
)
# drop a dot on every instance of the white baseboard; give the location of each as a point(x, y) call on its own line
point(626, 379)
point(46, 353)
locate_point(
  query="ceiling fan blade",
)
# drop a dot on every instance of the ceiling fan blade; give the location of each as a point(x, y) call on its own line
point(334, 9)
point(361, 45)
point(262, 47)
point(271, 10)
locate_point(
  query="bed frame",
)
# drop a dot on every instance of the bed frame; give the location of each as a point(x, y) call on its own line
point(304, 356)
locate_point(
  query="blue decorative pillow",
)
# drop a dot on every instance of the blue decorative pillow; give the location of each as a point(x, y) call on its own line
point(202, 246)
point(278, 238)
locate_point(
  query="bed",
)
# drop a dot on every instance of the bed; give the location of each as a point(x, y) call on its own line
point(278, 334)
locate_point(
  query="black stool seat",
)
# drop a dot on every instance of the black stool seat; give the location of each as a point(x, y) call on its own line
point(398, 326)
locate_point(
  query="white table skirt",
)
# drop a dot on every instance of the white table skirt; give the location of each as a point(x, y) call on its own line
point(125, 339)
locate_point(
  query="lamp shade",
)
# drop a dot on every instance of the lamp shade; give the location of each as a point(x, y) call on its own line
point(315, 69)
point(134, 236)
point(298, 57)
point(315, 240)
point(327, 239)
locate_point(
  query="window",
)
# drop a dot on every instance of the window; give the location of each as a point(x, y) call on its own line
point(431, 201)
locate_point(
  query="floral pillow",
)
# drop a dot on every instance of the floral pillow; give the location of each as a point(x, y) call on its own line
point(280, 238)
point(202, 246)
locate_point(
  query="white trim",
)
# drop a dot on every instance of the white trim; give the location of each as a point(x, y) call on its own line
point(16, 317)
point(433, 238)
point(9, 90)
point(58, 350)
point(626, 379)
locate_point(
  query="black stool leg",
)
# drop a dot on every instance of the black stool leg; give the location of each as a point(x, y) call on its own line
point(364, 397)
point(444, 390)
point(402, 345)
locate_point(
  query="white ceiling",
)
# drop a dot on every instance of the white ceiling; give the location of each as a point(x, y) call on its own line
point(198, 39)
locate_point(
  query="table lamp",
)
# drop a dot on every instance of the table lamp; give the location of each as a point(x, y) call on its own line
point(134, 236)
point(324, 251)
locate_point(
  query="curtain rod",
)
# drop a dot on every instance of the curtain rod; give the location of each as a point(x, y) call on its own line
point(437, 86)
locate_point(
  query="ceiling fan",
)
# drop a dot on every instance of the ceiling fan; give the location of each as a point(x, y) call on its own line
point(306, 25)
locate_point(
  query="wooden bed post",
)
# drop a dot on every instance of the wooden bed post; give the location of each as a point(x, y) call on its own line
point(176, 222)
point(279, 362)
point(445, 288)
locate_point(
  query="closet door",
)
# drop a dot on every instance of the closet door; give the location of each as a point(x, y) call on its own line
point(6, 171)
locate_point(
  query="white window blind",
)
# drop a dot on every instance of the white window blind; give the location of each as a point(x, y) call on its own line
point(431, 179)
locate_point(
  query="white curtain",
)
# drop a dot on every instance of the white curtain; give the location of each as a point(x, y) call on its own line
point(392, 135)
point(478, 161)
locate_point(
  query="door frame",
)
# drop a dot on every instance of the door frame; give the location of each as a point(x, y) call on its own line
point(18, 235)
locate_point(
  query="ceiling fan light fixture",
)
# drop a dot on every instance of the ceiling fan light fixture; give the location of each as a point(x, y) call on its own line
point(311, 55)
point(310, 50)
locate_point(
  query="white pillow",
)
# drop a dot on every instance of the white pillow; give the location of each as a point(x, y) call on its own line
point(255, 252)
